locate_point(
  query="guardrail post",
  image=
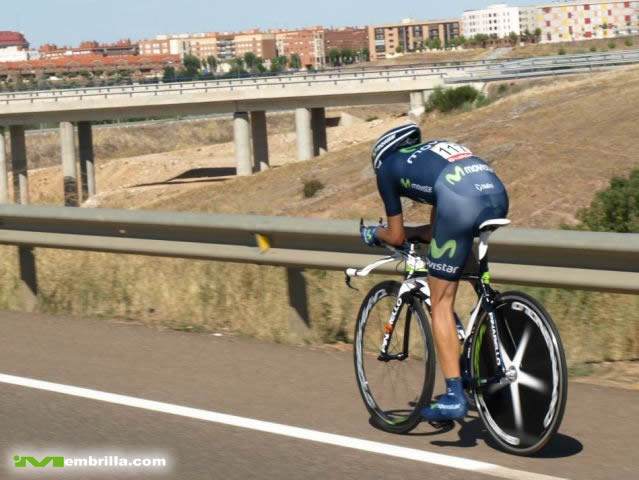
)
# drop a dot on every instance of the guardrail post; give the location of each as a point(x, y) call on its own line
point(304, 134)
point(260, 141)
point(87, 167)
point(4, 171)
point(318, 125)
point(69, 167)
point(298, 317)
point(242, 138)
point(26, 258)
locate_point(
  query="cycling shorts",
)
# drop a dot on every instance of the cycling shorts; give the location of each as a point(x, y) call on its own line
point(467, 194)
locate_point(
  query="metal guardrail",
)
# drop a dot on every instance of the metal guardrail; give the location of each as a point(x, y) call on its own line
point(570, 259)
point(523, 75)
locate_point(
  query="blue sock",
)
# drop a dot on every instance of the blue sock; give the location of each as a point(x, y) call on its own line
point(450, 406)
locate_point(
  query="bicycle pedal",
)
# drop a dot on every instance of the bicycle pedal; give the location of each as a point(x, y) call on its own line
point(442, 425)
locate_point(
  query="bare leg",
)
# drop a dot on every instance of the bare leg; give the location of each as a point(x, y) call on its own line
point(442, 295)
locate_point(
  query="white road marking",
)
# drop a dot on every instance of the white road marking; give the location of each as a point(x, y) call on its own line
point(450, 461)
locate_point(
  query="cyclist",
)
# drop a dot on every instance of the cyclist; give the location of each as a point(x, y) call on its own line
point(464, 192)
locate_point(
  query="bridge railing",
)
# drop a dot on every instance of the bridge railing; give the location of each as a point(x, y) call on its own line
point(607, 262)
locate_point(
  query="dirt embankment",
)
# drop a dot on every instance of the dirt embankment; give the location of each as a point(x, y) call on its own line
point(554, 145)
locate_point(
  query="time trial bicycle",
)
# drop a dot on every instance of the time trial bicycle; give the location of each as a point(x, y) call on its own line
point(512, 362)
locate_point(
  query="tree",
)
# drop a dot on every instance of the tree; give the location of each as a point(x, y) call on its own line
point(434, 43)
point(249, 60)
point(365, 54)
point(334, 57)
point(348, 55)
point(212, 63)
point(258, 65)
point(283, 61)
point(191, 65)
point(481, 39)
point(275, 66)
point(615, 209)
point(237, 66)
point(399, 49)
point(513, 38)
point(537, 34)
point(296, 61)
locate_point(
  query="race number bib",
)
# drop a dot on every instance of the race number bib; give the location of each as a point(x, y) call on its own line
point(451, 151)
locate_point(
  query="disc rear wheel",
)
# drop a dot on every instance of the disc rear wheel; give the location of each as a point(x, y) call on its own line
point(523, 413)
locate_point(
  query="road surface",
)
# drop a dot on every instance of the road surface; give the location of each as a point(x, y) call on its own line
point(223, 407)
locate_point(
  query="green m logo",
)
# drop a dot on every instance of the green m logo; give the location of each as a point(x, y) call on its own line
point(412, 148)
point(405, 182)
point(453, 178)
point(22, 461)
point(437, 252)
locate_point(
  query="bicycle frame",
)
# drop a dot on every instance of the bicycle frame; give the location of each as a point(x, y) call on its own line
point(415, 285)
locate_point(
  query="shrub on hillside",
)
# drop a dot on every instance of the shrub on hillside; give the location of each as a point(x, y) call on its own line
point(615, 209)
point(311, 187)
point(628, 42)
point(612, 44)
point(446, 100)
point(562, 51)
point(593, 49)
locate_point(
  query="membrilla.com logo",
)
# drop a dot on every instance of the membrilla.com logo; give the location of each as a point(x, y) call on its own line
point(84, 460)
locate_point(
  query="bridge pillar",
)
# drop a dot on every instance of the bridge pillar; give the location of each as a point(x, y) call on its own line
point(242, 138)
point(304, 134)
point(417, 107)
point(318, 124)
point(260, 141)
point(19, 165)
point(4, 170)
point(26, 259)
point(69, 167)
point(87, 166)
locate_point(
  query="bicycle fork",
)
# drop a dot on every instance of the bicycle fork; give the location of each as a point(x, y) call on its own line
point(407, 288)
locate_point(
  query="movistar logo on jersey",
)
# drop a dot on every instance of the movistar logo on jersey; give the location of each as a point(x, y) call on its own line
point(407, 184)
point(438, 252)
point(461, 172)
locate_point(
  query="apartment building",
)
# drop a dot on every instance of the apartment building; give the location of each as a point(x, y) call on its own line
point(308, 43)
point(139, 65)
point(568, 21)
point(527, 19)
point(261, 44)
point(14, 47)
point(499, 19)
point(91, 47)
point(409, 34)
point(346, 37)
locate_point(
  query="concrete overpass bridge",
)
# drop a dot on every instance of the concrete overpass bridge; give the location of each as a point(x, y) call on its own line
point(247, 99)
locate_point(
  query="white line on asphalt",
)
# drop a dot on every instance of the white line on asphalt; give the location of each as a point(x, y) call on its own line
point(279, 429)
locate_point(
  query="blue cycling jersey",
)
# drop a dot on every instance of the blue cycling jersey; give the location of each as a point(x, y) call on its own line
point(465, 190)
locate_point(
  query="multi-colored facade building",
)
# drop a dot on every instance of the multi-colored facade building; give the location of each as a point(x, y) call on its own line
point(563, 22)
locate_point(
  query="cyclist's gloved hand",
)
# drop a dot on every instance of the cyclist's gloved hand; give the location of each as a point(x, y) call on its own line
point(369, 236)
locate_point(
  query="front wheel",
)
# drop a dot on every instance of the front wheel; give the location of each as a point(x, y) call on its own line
point(394, 386)
point(523, 414)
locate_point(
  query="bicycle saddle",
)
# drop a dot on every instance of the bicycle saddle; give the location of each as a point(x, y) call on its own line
point(485, 230)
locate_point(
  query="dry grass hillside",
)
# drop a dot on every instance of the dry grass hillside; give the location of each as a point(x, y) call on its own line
point(584, 46)
point(554, 144)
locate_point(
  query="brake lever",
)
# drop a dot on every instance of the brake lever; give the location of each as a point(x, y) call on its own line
point(348, 282)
